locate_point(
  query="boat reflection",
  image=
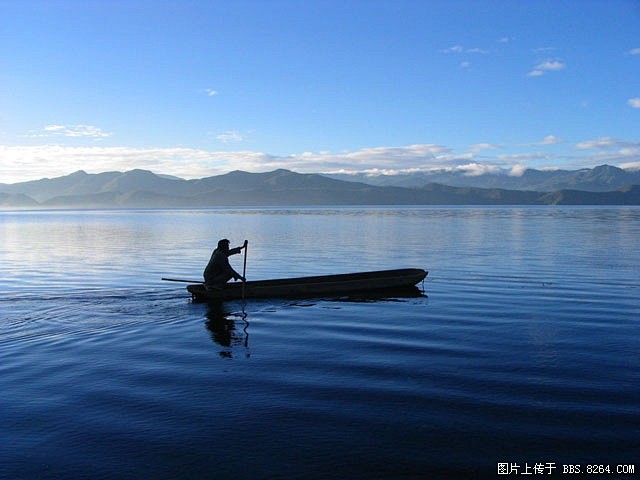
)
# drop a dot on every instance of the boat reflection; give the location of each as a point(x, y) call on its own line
point(228, 329)
point(388, 295)
point(229, 326)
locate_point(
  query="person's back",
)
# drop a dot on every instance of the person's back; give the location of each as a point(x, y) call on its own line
point(212, 269)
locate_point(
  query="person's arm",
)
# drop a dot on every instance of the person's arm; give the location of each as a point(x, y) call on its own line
point(235, 251)
point(239, 277)
point(234, 274)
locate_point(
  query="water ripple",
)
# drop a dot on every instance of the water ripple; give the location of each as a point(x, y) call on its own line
point(525, 348)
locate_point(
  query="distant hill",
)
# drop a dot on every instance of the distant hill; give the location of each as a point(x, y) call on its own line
point(81, 183)
point(8, 200)
point(603, 178)
point(141, 188)
point(629, 195)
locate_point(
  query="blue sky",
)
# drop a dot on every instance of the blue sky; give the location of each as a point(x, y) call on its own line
point(195, 88)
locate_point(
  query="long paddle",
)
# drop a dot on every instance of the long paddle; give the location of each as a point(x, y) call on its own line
point(244, 268)
point(183, 281)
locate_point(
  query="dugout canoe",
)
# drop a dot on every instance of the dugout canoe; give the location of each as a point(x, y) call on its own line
point(342, 284)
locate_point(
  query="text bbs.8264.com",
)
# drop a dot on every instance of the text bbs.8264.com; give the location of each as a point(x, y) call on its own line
point(552, 468)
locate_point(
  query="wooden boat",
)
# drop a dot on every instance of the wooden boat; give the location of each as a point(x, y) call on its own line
point(349, 283)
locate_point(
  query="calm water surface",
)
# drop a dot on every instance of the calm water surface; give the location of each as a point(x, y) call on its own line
point(524, 349)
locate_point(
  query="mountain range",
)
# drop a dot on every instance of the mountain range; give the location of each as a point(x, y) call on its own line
point(145, 189)
point(603, 178)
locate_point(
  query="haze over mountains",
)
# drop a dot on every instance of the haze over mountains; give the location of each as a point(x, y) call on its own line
point(140, 188)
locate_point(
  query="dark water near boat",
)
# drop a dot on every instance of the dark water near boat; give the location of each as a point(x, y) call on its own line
point(524, 351)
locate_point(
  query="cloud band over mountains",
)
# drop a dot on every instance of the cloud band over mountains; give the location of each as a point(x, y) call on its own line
point(21, 163)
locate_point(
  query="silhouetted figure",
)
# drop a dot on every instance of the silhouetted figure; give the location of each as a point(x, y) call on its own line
point(219, 271)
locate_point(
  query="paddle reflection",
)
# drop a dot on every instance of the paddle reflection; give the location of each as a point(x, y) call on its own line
point(229, 329)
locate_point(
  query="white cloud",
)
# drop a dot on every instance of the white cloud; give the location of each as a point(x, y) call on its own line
point(444, 161)
point(602, 143)
point(454, 49)
point(551, 65)
point(388, 159)
point(546, 66)
point(478, 147)
point(631, 149)
point(465, 65)
point(211, 92)
point(230, 137)
point(518, 170)
point(418, 152)
point(611, 151)
point(631, 166)
point(90, 131)
point(634, 102)
point(635, 51)
point(22, 163)
point(477, 169)
point(54, 128)
point(550, 140)
point(549, 168)
point(461, 49)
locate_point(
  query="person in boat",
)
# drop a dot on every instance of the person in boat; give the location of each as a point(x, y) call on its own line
point(218, 270)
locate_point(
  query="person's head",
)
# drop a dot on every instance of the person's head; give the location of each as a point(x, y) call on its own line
point(223, 245)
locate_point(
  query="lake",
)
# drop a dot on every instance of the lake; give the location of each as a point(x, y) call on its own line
point(522, 354)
